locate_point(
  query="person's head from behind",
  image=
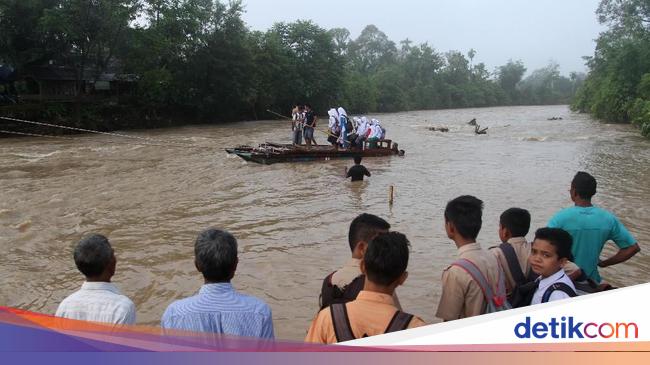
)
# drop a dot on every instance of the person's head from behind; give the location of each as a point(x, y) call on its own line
point(215, 255)
point(551, 250)
point(362, 230)
point(463, 218)
point(95, 258)
point(514, 222)
point(357, 160)
point(583, 187)
point(308, 107)
point(386, 260)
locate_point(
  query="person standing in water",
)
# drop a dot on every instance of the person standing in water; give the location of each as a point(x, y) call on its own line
point(358, 171)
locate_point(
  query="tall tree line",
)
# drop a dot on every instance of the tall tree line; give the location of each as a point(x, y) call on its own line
point(199, 58)
point(617, 88)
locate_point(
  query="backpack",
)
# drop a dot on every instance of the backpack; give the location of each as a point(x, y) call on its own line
point(586, 285)
point(331, 294)
point(495, 298)
point(523, 294)
point(558, 286)
point(514, 267)
point(343, 329)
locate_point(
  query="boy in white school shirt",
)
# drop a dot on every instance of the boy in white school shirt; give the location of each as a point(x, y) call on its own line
point(550, 251)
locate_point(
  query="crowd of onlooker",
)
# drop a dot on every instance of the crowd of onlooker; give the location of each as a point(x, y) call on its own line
point(359, 299)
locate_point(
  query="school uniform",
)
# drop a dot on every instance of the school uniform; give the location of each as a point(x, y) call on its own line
point(545, 283)
point(522, 250)
point(350, 271)
point(369, 315)
point(461, 296)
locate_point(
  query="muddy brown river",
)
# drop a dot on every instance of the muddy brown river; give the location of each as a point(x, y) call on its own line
point(291, 220)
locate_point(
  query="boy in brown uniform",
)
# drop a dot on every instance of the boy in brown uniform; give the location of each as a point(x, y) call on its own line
point(461, 296)
point(514, 225)
point(374, 311)
point(344, 284)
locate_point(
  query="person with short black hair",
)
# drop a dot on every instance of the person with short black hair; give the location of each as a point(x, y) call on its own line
point(358, 171)
point(514, 224)
point(374, 311)
point(591, 227)
point(461, 295)
point(345, 284)
point(98, 300)
point(550, 252)
point(218, 307)
point(309, 126)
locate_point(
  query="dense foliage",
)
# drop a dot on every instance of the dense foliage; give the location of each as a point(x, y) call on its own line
point(199, 58)
point(617, 88)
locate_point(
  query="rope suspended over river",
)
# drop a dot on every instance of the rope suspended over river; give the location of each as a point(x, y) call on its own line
point(147, 141)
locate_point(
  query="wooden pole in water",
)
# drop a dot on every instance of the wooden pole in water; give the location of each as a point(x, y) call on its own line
point(391, 194)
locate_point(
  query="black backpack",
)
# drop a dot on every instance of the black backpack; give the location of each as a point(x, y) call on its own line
point(332, 294)
point(343, 329)
point(522, 296)
point(513, 265)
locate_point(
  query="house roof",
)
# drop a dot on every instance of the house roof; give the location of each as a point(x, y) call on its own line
point(53, 73)
point(63, 73)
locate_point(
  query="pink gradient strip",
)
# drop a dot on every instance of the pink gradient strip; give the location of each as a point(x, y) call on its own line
point(149, 338)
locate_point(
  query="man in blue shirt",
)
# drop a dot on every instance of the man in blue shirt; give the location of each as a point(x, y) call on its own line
point(218, 307)
point(591, 227)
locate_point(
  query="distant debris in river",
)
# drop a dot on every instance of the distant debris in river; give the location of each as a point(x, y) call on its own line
point(555, 118)
point(439, 129)
point(472, 122)
point(478, 129)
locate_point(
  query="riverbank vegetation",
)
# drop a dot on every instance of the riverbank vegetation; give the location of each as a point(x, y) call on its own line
point(617, 88)
point(197, 60)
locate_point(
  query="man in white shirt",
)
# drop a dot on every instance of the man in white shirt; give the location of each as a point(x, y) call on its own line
point(98, 300)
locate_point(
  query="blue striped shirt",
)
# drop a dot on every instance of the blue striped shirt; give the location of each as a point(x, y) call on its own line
point(218, 308)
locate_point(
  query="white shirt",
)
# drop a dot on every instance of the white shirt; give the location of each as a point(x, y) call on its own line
point(98, 302)
point(558, 277)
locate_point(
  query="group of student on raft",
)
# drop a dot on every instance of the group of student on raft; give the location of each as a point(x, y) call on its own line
point(359, 299)
point(342, 131)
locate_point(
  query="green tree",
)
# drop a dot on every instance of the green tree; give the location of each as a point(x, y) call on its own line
point(372, 50)
point(24, 39)
point(92, 30)
point(611, 90)
point(317, 68)
point(508, 76)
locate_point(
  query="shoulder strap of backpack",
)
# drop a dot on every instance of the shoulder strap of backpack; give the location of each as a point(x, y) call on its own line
point(352, 290)
point(477, 275)
point(326, 292)
point(531, 276)
point(399, 322)
point(558, 286)
point(513, 263)
point(341, 322)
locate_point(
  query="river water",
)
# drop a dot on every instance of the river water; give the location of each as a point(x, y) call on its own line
point(291, 220)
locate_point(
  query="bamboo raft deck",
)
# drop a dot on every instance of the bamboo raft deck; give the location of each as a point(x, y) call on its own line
point(269, 153)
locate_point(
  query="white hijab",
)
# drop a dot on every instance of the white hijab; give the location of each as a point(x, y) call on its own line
point(334, 117)
point(375, 129)
point(363, 126)
point(342, 112)
point(356, 122)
